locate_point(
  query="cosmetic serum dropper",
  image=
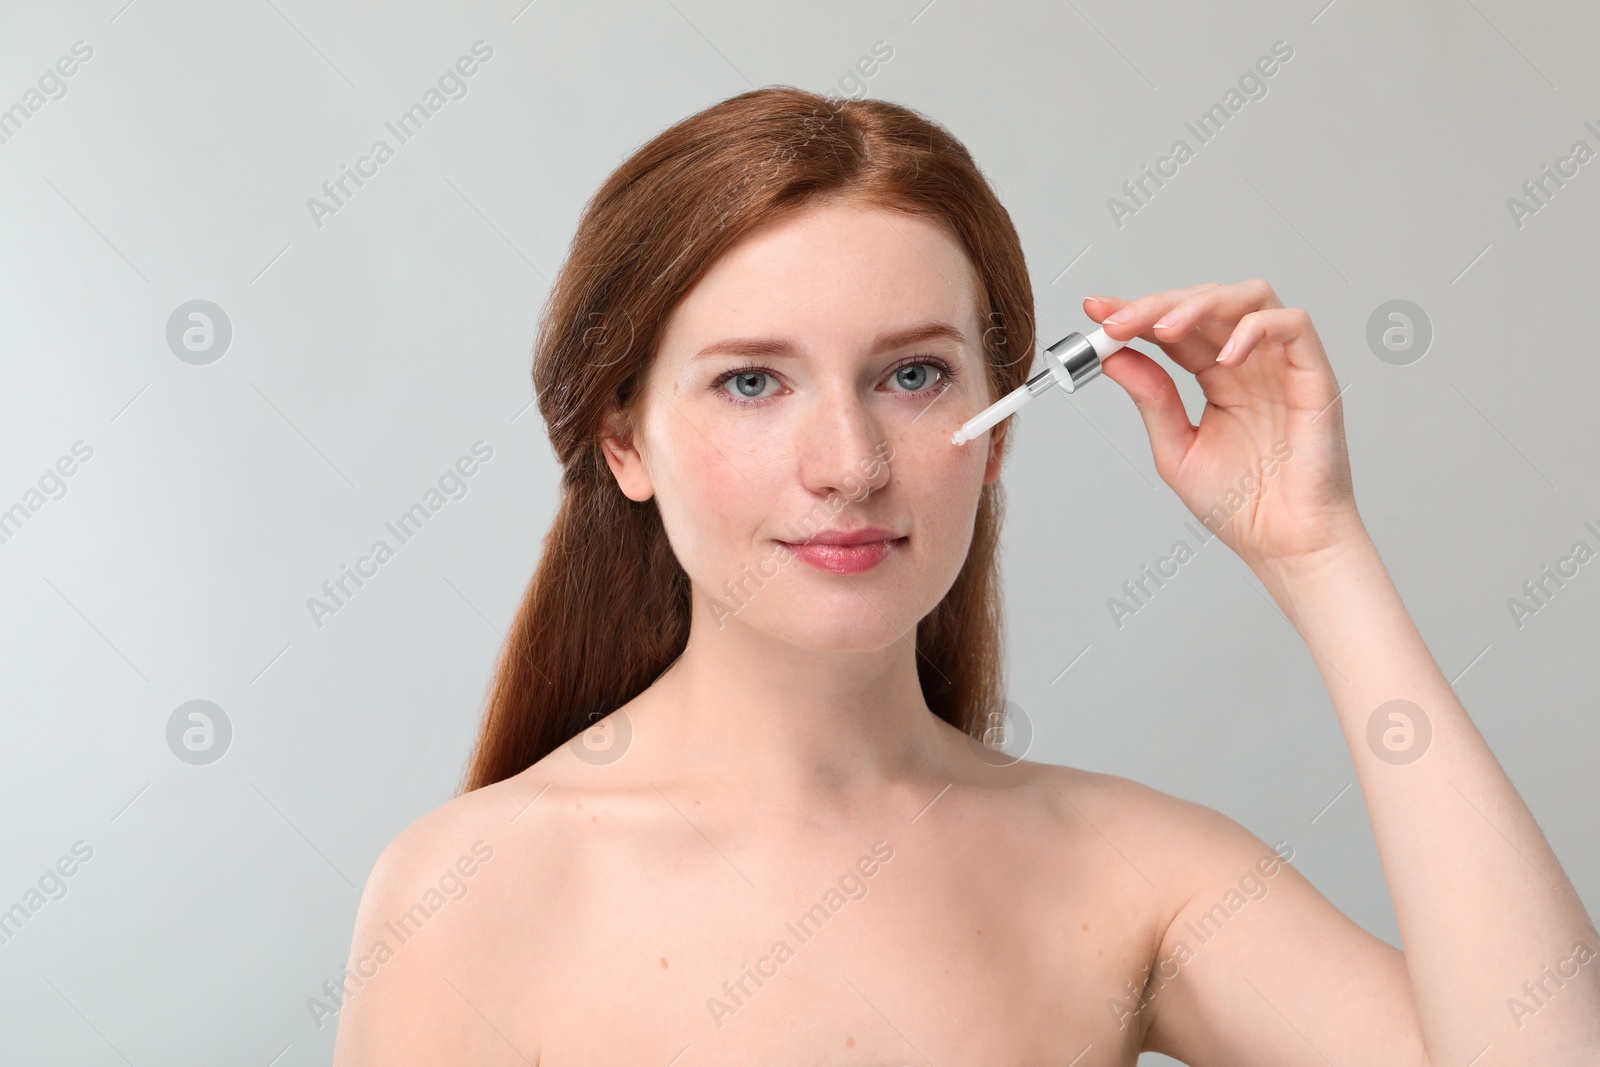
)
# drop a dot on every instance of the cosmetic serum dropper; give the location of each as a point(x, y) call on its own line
point(1069, 363)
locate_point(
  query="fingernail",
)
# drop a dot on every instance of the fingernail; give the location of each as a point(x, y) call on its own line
point(1227, 350)
point(1116, 320)
point(1164, 323)
point(1099, 299)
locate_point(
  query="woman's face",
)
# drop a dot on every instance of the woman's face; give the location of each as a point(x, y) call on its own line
point(781, 404)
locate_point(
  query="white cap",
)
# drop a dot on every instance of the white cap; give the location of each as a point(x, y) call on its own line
point(1103, 345)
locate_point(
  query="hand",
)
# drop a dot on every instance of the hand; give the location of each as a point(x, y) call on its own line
point(1267, 469)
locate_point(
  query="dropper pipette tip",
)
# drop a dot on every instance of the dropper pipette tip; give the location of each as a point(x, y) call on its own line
point(1098, 341)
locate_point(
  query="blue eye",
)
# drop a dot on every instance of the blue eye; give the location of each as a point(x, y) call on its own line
point(912, 375)
point(750, 381)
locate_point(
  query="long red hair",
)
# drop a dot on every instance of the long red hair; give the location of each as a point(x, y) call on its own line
point(607, 609)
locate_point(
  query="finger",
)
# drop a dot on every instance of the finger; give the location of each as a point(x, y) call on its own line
point(1134, 318)
point(1288, 327)
point(1156, 396)
point(1214, 311)
point(1192, 353)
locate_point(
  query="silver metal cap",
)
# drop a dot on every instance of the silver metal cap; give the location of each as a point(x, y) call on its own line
point(1073, 361)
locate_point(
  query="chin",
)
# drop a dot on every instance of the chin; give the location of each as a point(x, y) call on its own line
point(838, 631)
point(855, 613)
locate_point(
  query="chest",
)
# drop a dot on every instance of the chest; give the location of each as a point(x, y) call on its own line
point(882, 954)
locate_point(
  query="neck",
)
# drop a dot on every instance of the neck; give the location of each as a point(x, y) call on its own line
point(791, 728)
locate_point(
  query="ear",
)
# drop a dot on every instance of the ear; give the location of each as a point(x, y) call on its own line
point(623, 457)
point(997, 447)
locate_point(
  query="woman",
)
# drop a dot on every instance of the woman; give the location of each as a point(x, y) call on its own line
point(728, 805)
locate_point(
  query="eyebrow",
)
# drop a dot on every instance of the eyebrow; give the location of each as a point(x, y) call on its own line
point(779, 346)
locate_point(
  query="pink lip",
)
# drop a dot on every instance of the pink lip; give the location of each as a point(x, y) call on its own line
point(856, 535)
point(848, 558)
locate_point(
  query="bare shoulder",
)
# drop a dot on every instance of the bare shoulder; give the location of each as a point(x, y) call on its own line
point(1179, 846)
point(449, 924)
point(1168, 824)
point(1235, 924)
point(491, 825)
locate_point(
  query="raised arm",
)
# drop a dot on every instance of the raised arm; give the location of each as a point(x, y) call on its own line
point(1501, 962)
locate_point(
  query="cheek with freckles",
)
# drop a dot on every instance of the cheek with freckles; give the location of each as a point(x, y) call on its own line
point(922, 447)
point(939, 483)
point(714, 506)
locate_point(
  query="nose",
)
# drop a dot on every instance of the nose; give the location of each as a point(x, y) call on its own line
point(843, 449)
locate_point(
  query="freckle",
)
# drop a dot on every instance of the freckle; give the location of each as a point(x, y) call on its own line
point(849, 1042)
point(980, 933)
point(664, 963)
point(594, 818)
point(1086, 926)
point(697, 803)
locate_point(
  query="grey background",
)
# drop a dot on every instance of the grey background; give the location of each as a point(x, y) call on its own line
point(367, 355)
